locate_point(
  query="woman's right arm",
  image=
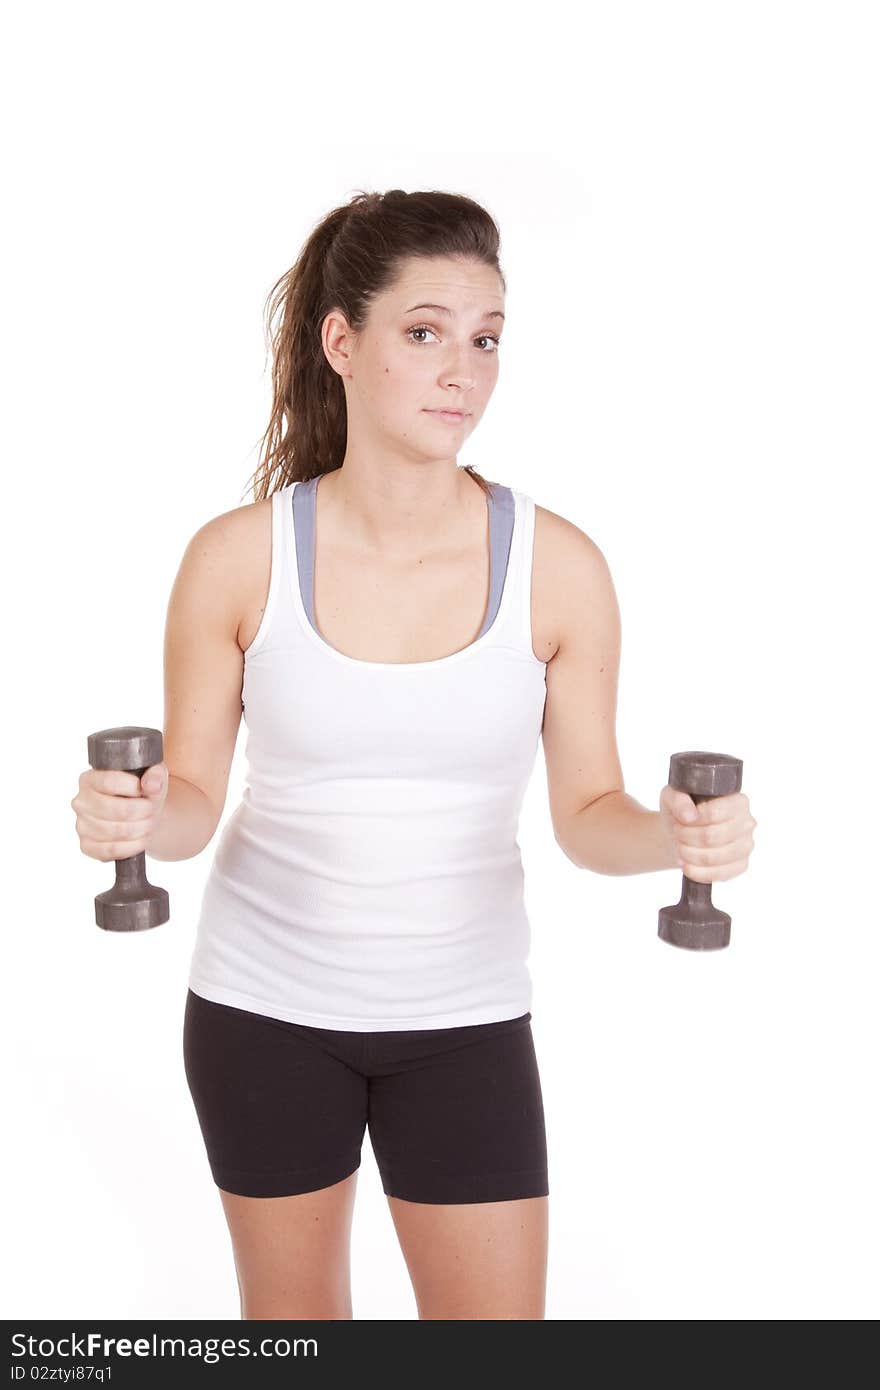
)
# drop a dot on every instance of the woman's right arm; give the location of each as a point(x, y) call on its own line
point(204, 665)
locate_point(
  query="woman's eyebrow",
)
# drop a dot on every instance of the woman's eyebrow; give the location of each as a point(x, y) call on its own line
point(441, 308)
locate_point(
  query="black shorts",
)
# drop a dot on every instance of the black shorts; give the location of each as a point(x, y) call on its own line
point(455, 1114)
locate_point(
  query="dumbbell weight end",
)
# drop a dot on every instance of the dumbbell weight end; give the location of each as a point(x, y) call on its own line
point(132, 904)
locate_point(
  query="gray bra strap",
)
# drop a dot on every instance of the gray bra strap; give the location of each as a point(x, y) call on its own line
point(501, 515)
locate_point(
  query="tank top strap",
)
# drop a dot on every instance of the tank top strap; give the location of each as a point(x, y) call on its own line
point(279, 573)
point(518, 603)
point(502, 515)
point(282, 537)
point(302, 542)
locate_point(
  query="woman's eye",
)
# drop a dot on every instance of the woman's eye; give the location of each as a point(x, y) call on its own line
point(488, 337)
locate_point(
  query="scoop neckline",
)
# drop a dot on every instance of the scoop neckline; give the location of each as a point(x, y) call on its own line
point(326, 646)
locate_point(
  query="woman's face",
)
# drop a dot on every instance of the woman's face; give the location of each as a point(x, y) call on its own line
point(410, 360)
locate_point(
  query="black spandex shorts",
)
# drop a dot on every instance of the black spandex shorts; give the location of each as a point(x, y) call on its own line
point(455, 1114)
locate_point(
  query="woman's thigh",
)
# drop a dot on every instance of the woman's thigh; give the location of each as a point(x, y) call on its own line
point(457, 1127)
point(282, 1115)
point(293, 1254)
point(280, 1109)
point(456, 1115)
point(475, 1260)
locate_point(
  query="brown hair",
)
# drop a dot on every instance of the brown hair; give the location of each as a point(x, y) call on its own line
point(351, 255)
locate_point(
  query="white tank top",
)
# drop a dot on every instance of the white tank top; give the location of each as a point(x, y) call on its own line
point(370, 878)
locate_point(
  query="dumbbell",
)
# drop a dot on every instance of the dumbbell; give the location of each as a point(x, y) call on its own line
point(132, 904)
point(694, 922)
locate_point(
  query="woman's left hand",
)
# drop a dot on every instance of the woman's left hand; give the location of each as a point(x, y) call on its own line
point(717, 842)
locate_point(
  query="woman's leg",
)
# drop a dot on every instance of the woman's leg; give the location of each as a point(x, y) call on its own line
point(293, 1254)
point(475, 1260)
point(456, 1122)
point(282, 1110)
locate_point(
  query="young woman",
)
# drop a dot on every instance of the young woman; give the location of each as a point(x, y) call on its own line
point(398, 634)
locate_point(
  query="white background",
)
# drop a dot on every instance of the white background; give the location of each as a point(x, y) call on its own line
point(688, 201)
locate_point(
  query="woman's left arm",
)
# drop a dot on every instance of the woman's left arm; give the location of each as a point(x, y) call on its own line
point(596, 823)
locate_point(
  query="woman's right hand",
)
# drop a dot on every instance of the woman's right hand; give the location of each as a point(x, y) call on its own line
point(117, 812)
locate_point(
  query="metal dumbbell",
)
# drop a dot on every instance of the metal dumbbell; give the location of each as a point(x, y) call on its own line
point(132, 904)
point(694, 922)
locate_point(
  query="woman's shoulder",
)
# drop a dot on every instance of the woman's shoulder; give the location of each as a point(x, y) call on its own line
point(228, 560)
point(566, 563)
point(240, 535)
